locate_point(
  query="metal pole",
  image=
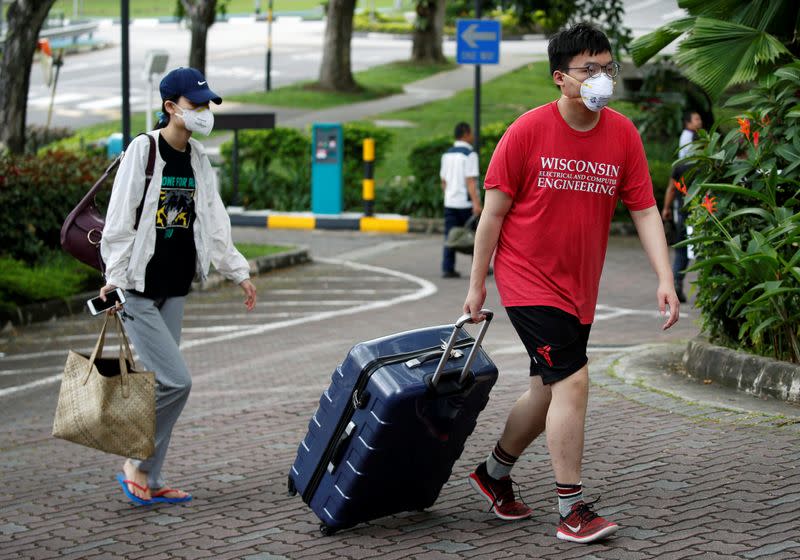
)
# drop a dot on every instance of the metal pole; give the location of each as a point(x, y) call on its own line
point(477, 107)
point(235, 164)
point(269, 46)
point(148, 114)
point(126, 85)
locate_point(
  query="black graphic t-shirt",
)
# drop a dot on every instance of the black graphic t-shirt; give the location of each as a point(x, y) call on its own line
point(172, 267)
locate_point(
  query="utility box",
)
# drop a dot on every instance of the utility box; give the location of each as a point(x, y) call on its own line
point(327, 161)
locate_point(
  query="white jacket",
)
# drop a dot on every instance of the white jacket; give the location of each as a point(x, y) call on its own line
point(126, 251)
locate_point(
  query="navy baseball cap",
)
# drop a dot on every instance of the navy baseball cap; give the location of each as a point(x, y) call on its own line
point(189, 83)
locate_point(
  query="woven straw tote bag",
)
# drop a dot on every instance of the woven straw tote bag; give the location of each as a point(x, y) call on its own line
point(104, 403)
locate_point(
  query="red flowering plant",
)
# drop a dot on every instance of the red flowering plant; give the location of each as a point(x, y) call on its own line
point(743, 201)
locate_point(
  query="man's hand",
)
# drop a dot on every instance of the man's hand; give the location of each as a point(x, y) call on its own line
point(474, 303)
point(666, 214)
point(249, 294)
point(667, 297)
point(477, 209)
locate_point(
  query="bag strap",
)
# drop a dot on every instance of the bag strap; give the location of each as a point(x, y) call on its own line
point(123, 354)
point(148, 175)
point(98, 349)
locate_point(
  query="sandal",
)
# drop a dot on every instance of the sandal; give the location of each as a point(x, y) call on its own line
point(159, 497)
point(130, 495)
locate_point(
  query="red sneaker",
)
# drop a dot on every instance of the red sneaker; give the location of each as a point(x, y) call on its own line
point(500, 494)
point(582, 525)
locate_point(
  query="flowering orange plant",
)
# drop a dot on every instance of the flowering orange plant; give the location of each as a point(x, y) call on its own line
point(680, 186)
point(744, 127)
point(709, 203)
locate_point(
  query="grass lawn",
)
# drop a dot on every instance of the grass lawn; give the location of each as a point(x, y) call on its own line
point(252, 251)
point(160, 8)
point(502, 100)
point(379, 81)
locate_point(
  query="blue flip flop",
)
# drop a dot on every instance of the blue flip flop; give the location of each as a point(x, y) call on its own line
point(158, 497)
point(130, 495)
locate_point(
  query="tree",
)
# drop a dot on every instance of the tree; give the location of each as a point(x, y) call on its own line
point(728, 42)
point(24, 19)
point(428, 32)
point(335, 72)
point(201, 15)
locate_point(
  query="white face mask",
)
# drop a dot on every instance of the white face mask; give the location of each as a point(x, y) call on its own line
point(199, 120)
point(596, 91)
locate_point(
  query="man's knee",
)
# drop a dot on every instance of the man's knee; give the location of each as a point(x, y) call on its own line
point(577, 382)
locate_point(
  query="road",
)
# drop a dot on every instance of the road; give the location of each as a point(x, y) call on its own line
point(681, 478)
point(89, 84)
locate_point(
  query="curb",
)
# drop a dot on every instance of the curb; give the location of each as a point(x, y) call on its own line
point(381, 223)
point(47, 310)
point(756, 375)
point(646, 374)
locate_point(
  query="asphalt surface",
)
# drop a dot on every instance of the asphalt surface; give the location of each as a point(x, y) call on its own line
point(684, 479)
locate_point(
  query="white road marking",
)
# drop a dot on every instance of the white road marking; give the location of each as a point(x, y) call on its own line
point(32, 385)
point(48, 369)
point(60, 99)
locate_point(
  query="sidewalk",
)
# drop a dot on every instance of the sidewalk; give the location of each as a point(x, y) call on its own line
point(683, 478)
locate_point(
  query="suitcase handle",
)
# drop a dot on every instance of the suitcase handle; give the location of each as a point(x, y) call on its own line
point(341, 445)
point(473, 353)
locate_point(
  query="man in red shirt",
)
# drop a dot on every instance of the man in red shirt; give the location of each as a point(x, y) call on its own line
point(551, 189)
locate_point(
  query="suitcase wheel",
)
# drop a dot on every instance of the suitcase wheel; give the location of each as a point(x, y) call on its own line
point(326, 530)
point(292, 487)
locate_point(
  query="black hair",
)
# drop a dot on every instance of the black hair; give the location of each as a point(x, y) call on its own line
point(569, 43)
point(163, 119)
point(687, 115)
point(461, 130)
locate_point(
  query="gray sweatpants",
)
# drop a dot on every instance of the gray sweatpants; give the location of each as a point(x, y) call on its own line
point(154, 327)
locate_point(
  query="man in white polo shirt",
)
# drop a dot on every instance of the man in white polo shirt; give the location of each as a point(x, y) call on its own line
point(459, 173)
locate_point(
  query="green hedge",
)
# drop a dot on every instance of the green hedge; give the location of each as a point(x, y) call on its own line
point(275, 167)
point(36, 194)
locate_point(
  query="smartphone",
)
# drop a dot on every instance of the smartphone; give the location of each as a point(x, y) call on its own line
point(97, 306)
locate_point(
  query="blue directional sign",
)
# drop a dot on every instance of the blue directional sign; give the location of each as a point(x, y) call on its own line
point(477, 41)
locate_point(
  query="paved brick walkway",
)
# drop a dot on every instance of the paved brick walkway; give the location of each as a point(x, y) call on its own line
point(683, 480)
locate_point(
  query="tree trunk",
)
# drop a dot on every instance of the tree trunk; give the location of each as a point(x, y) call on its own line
point(24, 19)
point(428, 33)
point(201, 15)
point(335, 73)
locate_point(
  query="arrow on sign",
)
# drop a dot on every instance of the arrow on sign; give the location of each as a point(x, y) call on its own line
point(471, 35)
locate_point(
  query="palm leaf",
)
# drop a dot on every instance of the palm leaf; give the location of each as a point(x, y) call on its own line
point(720, 53)
point(647, 46)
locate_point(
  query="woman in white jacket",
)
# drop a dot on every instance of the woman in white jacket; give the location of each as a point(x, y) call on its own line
point(183, 228)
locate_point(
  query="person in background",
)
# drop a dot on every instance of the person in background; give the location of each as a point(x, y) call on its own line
point(672, 209)
point(459, 174)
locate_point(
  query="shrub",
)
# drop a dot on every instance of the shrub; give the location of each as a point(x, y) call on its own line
point(747, 227)
point(275, 167)
point(57, 276)
point(422, 196)
point(36, 194)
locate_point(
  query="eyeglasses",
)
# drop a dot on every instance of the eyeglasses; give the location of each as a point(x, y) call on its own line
point(592, 70)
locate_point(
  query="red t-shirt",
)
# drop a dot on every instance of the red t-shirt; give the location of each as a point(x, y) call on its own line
point(564, 184)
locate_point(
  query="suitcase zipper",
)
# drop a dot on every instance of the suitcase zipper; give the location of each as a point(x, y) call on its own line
point(363, 379)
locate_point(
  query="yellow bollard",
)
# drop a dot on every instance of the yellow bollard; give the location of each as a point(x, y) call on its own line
point(368, 188)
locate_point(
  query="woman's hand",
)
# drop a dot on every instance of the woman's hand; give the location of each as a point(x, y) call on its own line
point(103, 291)
point(249, 294)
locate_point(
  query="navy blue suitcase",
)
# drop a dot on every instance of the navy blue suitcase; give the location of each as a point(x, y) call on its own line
point(392, 423)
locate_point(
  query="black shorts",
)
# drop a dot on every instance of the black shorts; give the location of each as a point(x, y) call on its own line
point(555, 340)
